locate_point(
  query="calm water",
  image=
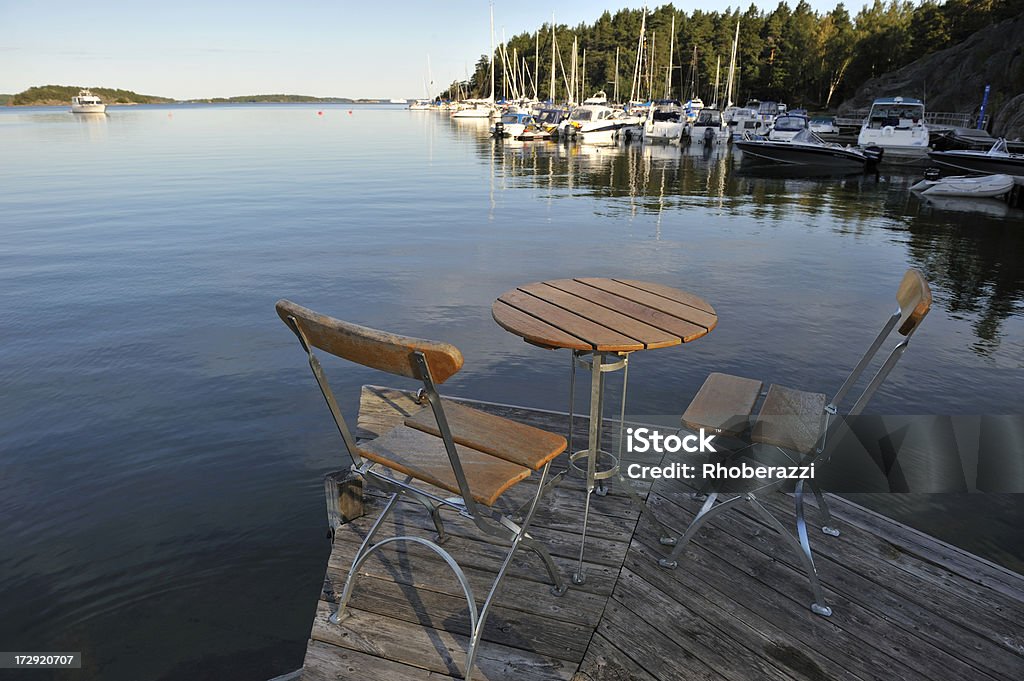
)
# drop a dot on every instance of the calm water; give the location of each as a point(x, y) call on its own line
point(162, 442)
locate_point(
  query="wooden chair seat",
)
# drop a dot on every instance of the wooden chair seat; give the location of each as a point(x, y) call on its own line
point(789, 418)
point(514, 442)
point(724, 404)
point(421, 455)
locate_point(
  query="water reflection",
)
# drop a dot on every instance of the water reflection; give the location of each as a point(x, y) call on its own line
point(969, 249)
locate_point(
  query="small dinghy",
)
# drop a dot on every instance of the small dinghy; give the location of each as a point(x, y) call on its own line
point(966, 186)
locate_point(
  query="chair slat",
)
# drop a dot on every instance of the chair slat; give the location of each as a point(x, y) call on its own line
point(370, 347)
point(424, 457)
point(724, 403)
point(494, 435)
point(790, 418)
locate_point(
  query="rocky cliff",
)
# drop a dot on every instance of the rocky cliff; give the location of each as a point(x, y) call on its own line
point(954, 79)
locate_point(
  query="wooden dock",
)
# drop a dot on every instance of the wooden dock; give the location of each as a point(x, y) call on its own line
point(906, 606)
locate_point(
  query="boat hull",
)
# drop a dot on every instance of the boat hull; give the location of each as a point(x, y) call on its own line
point(790, 154)
point(978, 162)
point(89, 108)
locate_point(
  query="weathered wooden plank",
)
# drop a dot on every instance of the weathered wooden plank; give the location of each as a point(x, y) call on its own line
point(791, 644)
point(651, 336)
point(650, 648)
point(520, 628)
point(488, 557)
point(432, 649)
point(343, 491)
point(761, 554)
point(669, 613)
point(648, 315)
point(326, 662)
point(605, 662)
point(933, 551)
point(599, 337)
point(428, 573)
point(922, 609)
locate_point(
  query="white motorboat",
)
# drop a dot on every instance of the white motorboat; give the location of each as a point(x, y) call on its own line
point(896, 124)
point(594, 123)
point(598, 98)
point(786, 127)
point(87, 102)
point(479, 108)
point(665, 122)
point(744, 123)
point(988, 186)
point(708, 129)
point(823, 126)
point(421, 105)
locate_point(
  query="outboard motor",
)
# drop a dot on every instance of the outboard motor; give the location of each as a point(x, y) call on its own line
point(932, 174)
point(709, 136)
point(499, 129)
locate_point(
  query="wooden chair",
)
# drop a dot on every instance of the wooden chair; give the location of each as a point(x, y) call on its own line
point(453, 448)
point(794, 422)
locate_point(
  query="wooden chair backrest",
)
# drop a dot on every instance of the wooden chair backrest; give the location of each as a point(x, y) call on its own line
point(915, 299)
point(369, 347)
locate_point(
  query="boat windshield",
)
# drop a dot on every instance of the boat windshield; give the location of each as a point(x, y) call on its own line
point(808, 137)
point(709, 117)
point(666, 115)
point(896, 115)
point(581, 115)
point(510, 118)
point(790, 123)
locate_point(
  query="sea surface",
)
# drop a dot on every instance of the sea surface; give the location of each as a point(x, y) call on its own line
point(162, 443)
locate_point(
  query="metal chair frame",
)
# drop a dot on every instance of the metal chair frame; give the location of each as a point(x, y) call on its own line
point(492, 522)
point(801, 542)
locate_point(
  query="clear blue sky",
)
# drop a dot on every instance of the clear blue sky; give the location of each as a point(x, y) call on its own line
point(205, 48)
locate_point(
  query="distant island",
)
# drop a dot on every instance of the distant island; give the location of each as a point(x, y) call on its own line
point(57, 95)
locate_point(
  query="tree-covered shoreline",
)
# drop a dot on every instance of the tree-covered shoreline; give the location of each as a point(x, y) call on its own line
point(791, 54)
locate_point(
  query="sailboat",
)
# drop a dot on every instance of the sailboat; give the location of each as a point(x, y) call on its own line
point(481, 108)
point(695, 103)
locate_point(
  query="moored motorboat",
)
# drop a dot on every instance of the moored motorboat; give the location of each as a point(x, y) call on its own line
point(87, 102)
point(665, 121)
point(807, 149)
point(996, 160)
point(594, 123)
point(519, 126)
point(708, 129)
point(787, 126)
point(897, 125)
point(988, 186)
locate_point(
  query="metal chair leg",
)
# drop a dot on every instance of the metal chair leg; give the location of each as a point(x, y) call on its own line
point(707, 512)
point(665, 537)
point(802, 547)
point(578, 577)
point(826, 526)
point(364, 550)
point(559, 587)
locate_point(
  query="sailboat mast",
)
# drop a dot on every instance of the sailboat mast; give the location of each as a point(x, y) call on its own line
point(634, 92)
point(536, 68)
point(615, 87)
point(551, 92)
point(718, 65)
point(583, 76)
point(671, 46)
point(732, 68)
point(492, 53)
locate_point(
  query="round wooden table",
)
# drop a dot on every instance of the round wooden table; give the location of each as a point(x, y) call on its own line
point(601, 318)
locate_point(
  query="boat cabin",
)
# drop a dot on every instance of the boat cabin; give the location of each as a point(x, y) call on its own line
point(898, 113)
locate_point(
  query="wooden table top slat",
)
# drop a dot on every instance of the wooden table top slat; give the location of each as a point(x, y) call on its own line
point(685, 330)
point(534, 330)
point(669, 292)
point(651, 336)
point(674, 307)
point(599, 338)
